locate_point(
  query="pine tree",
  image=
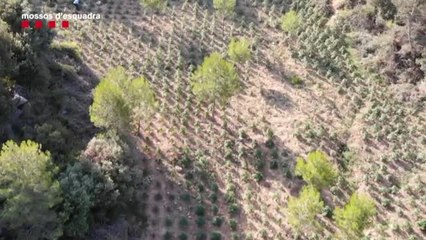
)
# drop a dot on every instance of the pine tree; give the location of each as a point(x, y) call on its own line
point(215, 80)
point(356, 215)
point(316, 169)
point(29, 191)
point(226, 7)
point(239, 50)
point(303, 209)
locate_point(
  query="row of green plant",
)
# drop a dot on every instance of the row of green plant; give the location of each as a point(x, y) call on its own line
point(303, 211)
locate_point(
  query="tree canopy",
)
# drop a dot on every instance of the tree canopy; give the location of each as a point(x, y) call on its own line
point(290, 21)
point(29, 192)
point(156, 5)
point(316, 169)
point(109, 108)
point(215, 80)
point(303, 209)
point(119, 100)
point(239, 50)
point(355, 215)
point(78, 189)
point(225, 6)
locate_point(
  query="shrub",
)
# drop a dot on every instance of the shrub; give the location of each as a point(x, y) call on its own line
point(327, 212)
point(303, 209)
point(217, 221)
point(167, 236)
point(215, 187)
point(422, 225)
point(235, 236)
point(109, 108)
point(296, 81)
point(273, 165)
point(215, 79)
point(78, 192)
point(156, 5)
point(183, 236)
point(290, 22)
point(200, 210)
point(356, 215)
point(108, 160)
point(233, 208)
point(316, 169)
point(118, 101)
point(29, 192)
point(70, 48)
point(258, 176)
point(275, 154)
point(183, 223)
point(158, 197)
point(239, 50)
point(200, 222)
point(53, 135)
point(233, 224)
point(185, 161)
point(186, 197)
point(215, 209)
point(230, 196)
point(224, 6)
point(269, 143)
point(386, 8)
point(201, 236)
point(213, 197)
point(216, 236)
point(168, 222)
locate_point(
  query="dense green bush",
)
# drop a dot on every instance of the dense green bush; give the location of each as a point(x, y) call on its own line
point(201, 236)
point(53, 135)
point(183, 236)
point(296, 80)
point(200, 210)
point(386, 9)
point(167, 236)
point(79, 196)
point(303, 209)
point(290, 22)
point(239, 50)
point(224, 6)
point(316, 169)
point(356, 215)
point(5, 104)
point(200, 222)
point(109, 108)
point(29, 192)
point(71, 48)
point(11, 11)
point(233, 224)
point(168, 222)
point(422, 225)
point(215, 80)
point(112, 168)
point(6, 53)
point(217, 221)
point(233, 208)
point(118, 101)
point(156, 5)
point(215, 236)
point(183, 223)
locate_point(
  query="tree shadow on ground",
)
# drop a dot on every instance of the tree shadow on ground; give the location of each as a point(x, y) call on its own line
point(276, 98)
